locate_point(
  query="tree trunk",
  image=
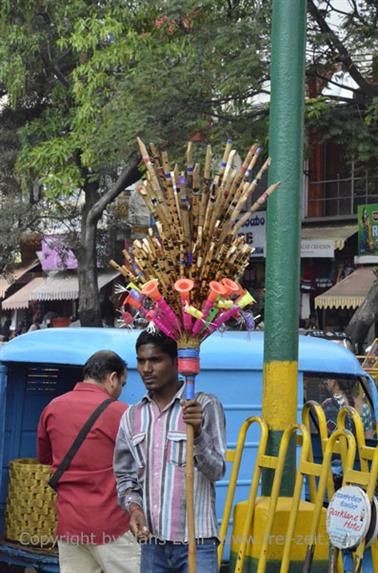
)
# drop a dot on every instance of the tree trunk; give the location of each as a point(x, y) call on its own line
point(89, 299)
point(89, 296)
point(86, 253)
point(363, 318)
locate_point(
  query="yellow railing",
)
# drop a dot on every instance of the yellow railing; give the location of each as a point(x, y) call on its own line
point(341, 442)
point(235, 457)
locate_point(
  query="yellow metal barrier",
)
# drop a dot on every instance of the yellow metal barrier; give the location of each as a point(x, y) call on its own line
point(235, 456)
point(304, 457)
point(320, 479)
point(331, 447)
point(291, 507)
point(365, 477)
point(312, 408)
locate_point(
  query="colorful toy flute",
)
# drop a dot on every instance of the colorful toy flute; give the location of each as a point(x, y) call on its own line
point(151, 290)
point(216, 290)
point(183, 287)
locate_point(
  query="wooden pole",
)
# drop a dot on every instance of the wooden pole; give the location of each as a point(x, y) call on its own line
point(190, 499)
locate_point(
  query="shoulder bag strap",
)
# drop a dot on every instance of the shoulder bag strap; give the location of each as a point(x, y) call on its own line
point(77, 443)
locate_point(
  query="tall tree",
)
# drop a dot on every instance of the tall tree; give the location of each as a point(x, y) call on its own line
point(100, 74)
point(17, 212)
point(38, 64)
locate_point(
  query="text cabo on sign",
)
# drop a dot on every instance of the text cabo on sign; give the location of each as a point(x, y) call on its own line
point(254, 232)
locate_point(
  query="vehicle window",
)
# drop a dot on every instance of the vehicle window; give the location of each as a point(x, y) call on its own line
point(334, 392)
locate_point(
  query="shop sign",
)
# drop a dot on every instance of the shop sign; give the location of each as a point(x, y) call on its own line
point(348, 517)
point(367, 216)
point(254, 231)
point(317, 248)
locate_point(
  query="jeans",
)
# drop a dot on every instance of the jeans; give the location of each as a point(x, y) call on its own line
point(167, 556)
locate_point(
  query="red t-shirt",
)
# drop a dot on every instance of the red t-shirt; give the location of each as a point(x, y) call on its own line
point(87, 506)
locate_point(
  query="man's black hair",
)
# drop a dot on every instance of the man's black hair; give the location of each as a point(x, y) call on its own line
point(166, 344)
point(102, 363)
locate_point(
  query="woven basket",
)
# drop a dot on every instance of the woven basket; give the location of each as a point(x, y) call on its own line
point(30, 516)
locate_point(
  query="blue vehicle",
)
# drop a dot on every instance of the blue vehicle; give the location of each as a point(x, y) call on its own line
point(38, 366)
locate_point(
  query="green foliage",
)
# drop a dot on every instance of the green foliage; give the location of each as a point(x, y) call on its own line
point(104, 73)
point(371, 117)
point(86, 78)
point(315, 107)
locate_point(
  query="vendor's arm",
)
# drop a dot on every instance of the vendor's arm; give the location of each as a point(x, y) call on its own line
point(208, 422)
point(44, 452)
point(125, 468)
point(138, 523)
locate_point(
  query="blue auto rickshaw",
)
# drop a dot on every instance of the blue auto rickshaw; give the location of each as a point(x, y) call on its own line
point(38, 366)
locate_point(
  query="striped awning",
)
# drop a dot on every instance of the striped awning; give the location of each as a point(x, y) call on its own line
point(22, 297)
point(15, 275)
point(337, 234)
point(65, 286)
point(348, 293)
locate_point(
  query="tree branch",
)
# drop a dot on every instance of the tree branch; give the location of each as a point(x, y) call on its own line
point(129, 175)
point(50, 64)
point(329, 81)
point(366, 87)
point(357, 14)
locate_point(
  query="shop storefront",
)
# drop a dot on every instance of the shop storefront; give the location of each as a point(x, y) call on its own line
point(347, 295)
point(327, 256)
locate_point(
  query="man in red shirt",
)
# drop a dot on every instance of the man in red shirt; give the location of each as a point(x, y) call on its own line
point(93, 531)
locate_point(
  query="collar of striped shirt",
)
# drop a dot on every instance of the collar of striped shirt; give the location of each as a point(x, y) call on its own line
point(177, 396)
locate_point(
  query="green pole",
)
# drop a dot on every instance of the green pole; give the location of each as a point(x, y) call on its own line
point(283, 229)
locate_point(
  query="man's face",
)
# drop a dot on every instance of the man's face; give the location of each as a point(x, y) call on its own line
point(157, 369)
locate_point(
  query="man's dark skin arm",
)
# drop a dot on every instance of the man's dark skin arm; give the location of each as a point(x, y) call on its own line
point(192, 414)
point(138, 524)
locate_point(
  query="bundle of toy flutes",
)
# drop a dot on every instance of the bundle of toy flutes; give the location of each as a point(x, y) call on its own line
point(184, 276)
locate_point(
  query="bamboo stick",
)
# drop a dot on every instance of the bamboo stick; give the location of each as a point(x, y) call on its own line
point(260, 201)
point(189, 490)
point(123, 271)
point(251, 188)
point(205, 193)
point(242, 180)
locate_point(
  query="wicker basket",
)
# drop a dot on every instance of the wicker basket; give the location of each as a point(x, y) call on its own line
point(30, 516)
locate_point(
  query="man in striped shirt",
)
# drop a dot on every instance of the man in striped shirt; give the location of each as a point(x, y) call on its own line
point(149, 463)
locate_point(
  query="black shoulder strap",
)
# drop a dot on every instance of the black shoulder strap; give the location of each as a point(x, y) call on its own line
point(77, 443)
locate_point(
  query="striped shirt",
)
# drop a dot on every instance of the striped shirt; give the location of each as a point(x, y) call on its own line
point(149, 463)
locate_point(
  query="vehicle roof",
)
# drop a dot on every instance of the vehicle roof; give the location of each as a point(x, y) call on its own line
point(232, 350)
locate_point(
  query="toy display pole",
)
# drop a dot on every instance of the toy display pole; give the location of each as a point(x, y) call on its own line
point(189, 366)
point(189, 485)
